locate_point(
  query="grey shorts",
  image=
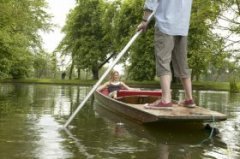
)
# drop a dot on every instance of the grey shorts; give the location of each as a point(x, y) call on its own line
point(171, 48)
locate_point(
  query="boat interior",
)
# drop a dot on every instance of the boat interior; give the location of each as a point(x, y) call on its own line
point(136, 96)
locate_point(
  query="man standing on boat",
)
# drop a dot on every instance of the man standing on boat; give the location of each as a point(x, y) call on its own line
point(170, 42)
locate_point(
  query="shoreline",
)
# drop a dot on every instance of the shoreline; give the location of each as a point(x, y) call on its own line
point(202, 85)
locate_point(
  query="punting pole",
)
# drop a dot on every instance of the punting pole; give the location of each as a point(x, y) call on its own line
point(124, 50)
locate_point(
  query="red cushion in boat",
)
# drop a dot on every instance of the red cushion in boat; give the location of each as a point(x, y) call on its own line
point(104, 91)
point(122, 93)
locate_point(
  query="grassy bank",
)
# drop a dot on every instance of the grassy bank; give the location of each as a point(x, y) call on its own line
point(202, 85)
point(48, 81)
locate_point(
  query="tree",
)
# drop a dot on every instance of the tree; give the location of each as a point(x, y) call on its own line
point(44, 65)
point(229, 29)
point(88, 34)
point(20, 22)
point(140, 57)
point(204, 46)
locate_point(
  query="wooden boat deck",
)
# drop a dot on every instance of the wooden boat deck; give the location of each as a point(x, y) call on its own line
point(179, 112)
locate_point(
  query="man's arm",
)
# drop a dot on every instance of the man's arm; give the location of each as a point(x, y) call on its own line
point(143, 24)
point(146, 14)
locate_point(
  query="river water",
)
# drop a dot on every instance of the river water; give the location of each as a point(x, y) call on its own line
point(32, 119)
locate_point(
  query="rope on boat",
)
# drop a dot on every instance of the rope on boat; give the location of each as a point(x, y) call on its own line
point(213, 121)
point(212, 130)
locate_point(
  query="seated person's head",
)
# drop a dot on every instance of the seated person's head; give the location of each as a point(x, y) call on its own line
point(114, 76)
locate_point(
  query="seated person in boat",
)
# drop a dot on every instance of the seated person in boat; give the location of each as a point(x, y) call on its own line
point(114, 84)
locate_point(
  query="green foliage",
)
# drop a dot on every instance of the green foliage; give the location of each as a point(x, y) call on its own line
point(141, 54)
point(44, 65)
point(126, 21)
point(142, 59)
point(205, 48)
point(20, 22)
point(20, 67)
point(89, 33)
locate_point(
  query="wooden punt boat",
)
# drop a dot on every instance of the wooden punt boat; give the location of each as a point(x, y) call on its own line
point(130, 103)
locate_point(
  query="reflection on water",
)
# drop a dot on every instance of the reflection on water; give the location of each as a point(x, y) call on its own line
point(32, 116)
point(50, 141)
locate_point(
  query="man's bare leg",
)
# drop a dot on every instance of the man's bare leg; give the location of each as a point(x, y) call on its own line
point(165, 82)
point(187, 85)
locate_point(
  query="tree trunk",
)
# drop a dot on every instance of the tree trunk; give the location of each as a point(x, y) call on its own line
point(218, 75)
point(78, 73)
point(197, 77)
point(95, 72)
point(71, 71)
